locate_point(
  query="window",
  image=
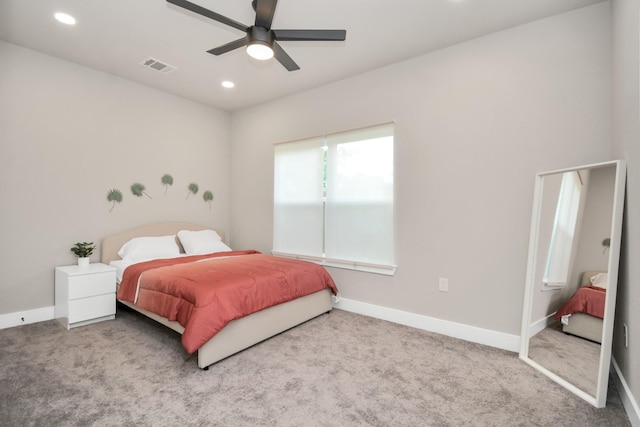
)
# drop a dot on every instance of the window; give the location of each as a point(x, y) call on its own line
point(564, 227)
point(334, 199)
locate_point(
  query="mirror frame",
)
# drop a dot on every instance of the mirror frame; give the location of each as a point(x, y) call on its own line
point(600, 398)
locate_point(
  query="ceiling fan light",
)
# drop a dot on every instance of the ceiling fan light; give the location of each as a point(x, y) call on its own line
point(259, 50)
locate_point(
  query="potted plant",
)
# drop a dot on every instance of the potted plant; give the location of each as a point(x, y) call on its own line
point(83, 251)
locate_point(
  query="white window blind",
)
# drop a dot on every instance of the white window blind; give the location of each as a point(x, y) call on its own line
point(564, 228)
point(334, 199)
point(298, 197)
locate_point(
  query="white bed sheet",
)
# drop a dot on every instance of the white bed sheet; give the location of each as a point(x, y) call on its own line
point(120, 266)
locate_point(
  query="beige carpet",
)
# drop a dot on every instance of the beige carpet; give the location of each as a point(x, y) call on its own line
point(573, 358)
point(339, 369)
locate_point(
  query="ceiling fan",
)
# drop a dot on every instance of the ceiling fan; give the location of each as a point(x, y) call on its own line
point(260, 39)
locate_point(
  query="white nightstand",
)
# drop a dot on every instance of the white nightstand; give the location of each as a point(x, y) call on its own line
point(85, 295)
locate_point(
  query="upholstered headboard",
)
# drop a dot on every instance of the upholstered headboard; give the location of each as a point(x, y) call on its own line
point(588, 275)
point(112, 244)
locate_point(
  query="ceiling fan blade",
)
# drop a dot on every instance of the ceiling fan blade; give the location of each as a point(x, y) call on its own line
point(264, 12)
point(284, 58)
point(208, 13)
point(298, 35)
point(229, 46)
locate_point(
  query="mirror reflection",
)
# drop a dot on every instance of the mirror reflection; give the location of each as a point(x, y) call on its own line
point(572, 276)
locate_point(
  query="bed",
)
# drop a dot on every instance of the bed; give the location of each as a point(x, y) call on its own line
point(582, 314)
point(238, 334)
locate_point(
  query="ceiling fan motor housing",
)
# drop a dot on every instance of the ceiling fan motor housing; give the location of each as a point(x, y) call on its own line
point(260, 35)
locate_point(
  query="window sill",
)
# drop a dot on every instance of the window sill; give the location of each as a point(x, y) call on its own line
point(550, 288)
point(345, 265)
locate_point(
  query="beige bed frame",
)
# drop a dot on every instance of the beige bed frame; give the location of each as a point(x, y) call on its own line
point(584, 325)
point(238, 334)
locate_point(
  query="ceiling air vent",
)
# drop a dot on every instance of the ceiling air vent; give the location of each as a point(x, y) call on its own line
point(158, 65)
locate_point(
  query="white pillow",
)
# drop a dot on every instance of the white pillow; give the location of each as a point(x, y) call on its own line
point(146, 248)
point(201, 242)
point(599, 280)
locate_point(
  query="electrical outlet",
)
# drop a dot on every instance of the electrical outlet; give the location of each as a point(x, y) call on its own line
point(443, 284)
point(626, 335)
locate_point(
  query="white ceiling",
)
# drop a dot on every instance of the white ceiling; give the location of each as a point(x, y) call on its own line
point(115, 36)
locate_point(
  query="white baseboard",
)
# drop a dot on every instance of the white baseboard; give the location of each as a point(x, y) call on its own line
point(541, 324)
point(25, 317)
point(630, 405)
point(443, 327)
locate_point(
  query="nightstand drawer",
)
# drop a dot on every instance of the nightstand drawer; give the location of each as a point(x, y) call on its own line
point(91, 285)
point(91, 308)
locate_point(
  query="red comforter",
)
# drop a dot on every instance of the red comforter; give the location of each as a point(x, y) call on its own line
point(587, 299)
point(204, 296)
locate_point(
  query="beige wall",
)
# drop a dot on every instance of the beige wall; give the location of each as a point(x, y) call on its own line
point(595, 225)
point(626, 132)
point(474, 123)
point(68, 134)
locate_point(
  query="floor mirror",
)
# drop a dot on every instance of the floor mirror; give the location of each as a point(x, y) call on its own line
point(572, 275)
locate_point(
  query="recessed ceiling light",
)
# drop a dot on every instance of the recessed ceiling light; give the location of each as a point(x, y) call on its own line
point(65, 18)
point(228, 84)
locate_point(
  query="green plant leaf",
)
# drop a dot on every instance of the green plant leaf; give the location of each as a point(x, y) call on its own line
point(166, 180)
point(138, 190)
point(207, 196)
point(83, 249)
point(115, 196)
point(193, 188)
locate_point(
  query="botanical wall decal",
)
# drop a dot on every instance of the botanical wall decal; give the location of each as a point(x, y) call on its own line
point(166, 180)
point(114, 196)
point(138, 190)
point(193, 188)
point(208, 197)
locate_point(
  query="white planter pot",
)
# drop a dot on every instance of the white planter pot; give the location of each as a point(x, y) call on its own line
point(83, 262)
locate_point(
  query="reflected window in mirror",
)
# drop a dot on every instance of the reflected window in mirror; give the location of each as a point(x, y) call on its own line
point(556, 274)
